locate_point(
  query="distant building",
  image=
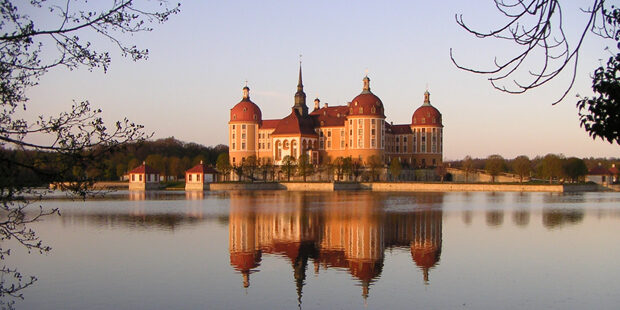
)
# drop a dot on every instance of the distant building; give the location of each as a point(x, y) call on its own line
point(357, 130)
point(199, 175)
point(603, 176)
point(143, 177)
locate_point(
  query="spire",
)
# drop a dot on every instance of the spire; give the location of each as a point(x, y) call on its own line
point(300, 96)
point(300, 85)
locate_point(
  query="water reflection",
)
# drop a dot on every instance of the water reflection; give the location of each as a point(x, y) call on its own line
point(556, 218)
point(347, 232)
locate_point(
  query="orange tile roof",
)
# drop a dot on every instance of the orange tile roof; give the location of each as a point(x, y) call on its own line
point(201, 168)
point(269, 124)
point(295, 124)
point(144, 169)
point(330, 116)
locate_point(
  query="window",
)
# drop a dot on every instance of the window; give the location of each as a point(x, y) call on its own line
point(198, 177)
point(234, 127)
point(133, 177)
point(243, 135)
point(233, 146)
point(405, 139)
point(372, 131)
point(243, 126)
point(189, 177)
point(329, 133)
point(360, 132)
point(234, 160)
point(342, 143)
point(243, 145)
point(140, 177)
point(329, 144)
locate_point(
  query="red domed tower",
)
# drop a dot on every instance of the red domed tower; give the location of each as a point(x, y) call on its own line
point(245, 118)
point(366, 125)
point(427, 128)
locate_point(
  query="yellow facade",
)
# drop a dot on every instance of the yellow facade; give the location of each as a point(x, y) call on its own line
point(337, 131)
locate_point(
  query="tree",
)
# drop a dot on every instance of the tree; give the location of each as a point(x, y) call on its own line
point(223, 165)
point(522, 166)
point(347, 166)
point(468, 167)
point(288, 166)
point(356, 169)
point(304, 167)
point(441, 171)
point(551, 167)
point(338, 165)
point(495, 164)
point(78, 138)
point(600, 115)
point(395, 168)
point(374, 163)
point(537, 29)
point(574, 168)
point(250, 165)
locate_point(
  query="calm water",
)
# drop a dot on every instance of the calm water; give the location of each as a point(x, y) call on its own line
point(342, 250)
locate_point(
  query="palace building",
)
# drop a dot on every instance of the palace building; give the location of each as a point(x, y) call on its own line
point(358, 130)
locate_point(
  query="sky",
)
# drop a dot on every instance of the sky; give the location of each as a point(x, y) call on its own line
point(200, 59)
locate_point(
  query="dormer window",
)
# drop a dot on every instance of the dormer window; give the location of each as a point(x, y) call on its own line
point(338, 115)
point(254, 116)
point(423, 120)
point(361, 110)
point(322, 123)
point(234, 116)
point(245, 109)
point(355, 103)
point(373, 110)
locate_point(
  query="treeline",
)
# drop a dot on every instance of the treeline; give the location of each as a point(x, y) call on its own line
point(169, 156)
point(551, 167)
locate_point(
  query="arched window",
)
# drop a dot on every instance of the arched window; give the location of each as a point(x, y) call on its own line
point(294, 149)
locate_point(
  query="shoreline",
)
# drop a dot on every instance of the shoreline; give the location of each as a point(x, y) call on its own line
point(385, 187)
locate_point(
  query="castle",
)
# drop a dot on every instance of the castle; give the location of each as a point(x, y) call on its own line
point(357, 130)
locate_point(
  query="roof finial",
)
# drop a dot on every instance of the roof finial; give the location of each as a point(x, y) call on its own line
point(366, 71)
point(366, 88)
point(246, 91)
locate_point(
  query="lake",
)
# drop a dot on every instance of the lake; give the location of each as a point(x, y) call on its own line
point(326, 250)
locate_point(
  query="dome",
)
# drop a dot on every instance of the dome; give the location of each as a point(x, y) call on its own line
point(426, 114)
point(366, 103)
point(245, 110)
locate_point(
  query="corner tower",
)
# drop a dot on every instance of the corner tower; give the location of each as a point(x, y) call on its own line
point(245, 119)
point(427, 128)
point(366, 126)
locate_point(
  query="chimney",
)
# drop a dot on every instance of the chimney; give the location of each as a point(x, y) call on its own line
point(316, 103)
point(326, 105)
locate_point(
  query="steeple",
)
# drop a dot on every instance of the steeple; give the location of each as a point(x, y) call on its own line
point(300, 97)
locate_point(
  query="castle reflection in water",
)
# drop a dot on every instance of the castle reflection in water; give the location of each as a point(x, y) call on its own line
point(344, 231)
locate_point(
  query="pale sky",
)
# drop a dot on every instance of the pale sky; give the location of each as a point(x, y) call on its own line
point(200, 59)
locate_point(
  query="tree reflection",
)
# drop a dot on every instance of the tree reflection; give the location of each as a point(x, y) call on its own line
point(348, 231)
point(556, 218)
point(495, 217)
point(521, 217)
